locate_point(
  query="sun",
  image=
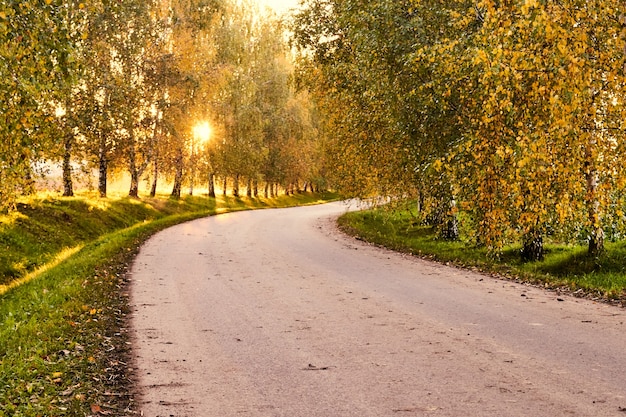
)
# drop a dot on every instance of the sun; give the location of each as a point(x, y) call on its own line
point(202, 131)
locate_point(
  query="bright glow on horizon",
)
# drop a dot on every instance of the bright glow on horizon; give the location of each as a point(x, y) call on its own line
point(202, 131)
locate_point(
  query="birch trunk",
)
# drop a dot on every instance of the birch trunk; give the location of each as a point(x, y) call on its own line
point(134, 173)
point(178, 177)
point(236, 186)
point(68, 188)
point(596, 233)
point(155, 176)
point(212, 185)
point(103, 167)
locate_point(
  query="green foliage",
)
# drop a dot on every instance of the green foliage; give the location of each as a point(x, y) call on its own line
point(511, 114)
point(120, 85)
point(266, 127)
point(33, 62)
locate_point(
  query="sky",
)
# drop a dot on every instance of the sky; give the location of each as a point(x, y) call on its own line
point(280, 6)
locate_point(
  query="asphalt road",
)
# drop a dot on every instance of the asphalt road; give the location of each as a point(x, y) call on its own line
point(275, 313)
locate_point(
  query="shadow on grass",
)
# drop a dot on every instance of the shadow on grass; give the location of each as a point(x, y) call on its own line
point(40, 228)
point(564, 265)
point(577, 262)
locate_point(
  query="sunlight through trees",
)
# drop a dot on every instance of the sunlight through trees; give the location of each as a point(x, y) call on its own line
point(504, 121)
point(118, 87)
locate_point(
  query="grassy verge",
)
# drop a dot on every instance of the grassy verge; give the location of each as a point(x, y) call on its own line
point(63, 345)
point(566, 268)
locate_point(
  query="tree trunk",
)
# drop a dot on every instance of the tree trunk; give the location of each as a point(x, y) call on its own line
point(155, 156)
point(224, 185)
point(249, 188)
point(155, 176)
point(68, 188)
point(178, 176)
point(236, 186)
point(448, 223)
point(192, 175)
point(266, 191)
point(28, 187)
point(211, 185)
point(134, 185)
point(102, 172)
point(134, 173)
point(533, 247)
point(451, 229)
point(255, 188)
point(420, 202)
point(596, 233)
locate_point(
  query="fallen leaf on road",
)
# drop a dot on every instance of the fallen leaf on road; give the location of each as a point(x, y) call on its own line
point(316, 368)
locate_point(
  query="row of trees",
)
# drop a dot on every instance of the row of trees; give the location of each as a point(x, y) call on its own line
point(506, 116)
point(120, 85)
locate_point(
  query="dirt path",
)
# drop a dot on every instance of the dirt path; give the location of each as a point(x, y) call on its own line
point(274, 313)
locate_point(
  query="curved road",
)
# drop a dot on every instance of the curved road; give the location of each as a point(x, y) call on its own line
point(275, 313)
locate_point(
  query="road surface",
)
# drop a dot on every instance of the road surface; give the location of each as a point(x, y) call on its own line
point(275, 313)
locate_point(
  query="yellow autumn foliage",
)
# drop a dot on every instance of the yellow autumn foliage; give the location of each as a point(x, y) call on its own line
point(514, 109)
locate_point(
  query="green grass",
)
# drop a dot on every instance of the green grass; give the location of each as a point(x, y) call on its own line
point(565, 266)
point(63, 303)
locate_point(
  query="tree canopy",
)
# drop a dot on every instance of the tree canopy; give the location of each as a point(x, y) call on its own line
point(506, 115)
point(504, 119)
point(119, 86)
